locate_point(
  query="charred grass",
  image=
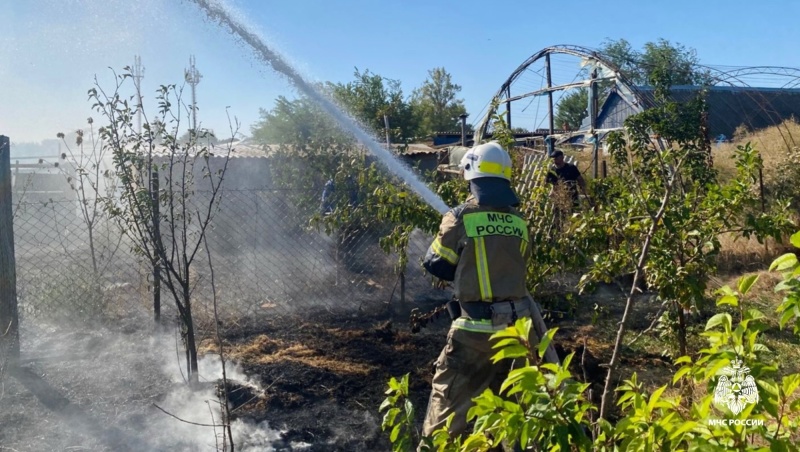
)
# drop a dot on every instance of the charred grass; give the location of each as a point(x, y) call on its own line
point(323, 383)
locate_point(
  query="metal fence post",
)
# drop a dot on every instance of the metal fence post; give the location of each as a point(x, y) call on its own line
point(156, 233)
point(9, 314)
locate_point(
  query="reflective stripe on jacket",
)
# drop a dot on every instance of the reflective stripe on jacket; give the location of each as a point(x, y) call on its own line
point(483, 250)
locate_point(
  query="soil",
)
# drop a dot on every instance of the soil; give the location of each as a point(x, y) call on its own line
point(325, 376)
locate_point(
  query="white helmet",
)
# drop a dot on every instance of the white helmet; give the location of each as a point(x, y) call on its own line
point(486, 160)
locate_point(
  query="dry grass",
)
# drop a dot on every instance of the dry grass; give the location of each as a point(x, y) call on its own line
point(775, 144)
point(263, 350)
point(738, 254)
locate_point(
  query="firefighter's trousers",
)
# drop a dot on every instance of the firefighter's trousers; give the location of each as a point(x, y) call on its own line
point(464, 370)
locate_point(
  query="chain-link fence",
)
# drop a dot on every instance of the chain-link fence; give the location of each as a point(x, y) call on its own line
point(267, 260)
point(68, 269)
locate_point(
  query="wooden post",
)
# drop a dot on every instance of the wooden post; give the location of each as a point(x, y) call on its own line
point(9, 315)
point(593, 104)
point(761, 195)
point(761, 186)
point(157, 233)
point(549, 94)
point(402, 287)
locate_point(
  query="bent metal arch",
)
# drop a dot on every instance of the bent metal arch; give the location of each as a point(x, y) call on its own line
point(774, 101)
point(592, 71)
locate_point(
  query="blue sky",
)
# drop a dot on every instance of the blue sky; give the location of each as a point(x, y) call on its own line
point(52, 49)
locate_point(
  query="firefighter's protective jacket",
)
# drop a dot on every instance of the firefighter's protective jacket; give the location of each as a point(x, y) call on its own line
point(483, 250)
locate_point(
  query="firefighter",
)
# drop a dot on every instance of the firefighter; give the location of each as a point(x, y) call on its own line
point(482, 247)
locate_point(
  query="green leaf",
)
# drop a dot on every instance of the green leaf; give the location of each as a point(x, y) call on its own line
point(725, 290)
point(475, 441)
point(787, 317)
point(795, 239)
point(685, 427)
point(545, 342)
point(783, 285)
point(654, 398)
point(754, 314)
point(784, 262)
point(746, 282)
point(506, 342)
point(722, 318)
point(680, 373)
point(684, 360)
point(394, 385)
point(389, 417)
point(728, 299)
point(778, 446)
point(409, 407)
point(790, 384)
point(718, 365)
point(524, 325)
point(513, 351)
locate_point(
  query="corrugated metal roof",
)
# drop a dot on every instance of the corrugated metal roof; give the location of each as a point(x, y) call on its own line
point(728, 107)
point(415, 149)
point(251, 150)
point(218, 150)
point(755, 108)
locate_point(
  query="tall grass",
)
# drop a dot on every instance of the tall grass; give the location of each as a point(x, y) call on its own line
point(776, 144)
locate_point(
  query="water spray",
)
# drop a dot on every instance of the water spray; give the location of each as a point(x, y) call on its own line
point(223, 15)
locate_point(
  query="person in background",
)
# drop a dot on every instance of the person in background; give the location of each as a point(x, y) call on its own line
point(328, 201)
point(565, 173)
point(482, 247)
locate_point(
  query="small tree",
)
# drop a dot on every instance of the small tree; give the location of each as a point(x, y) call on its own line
point(297, 122)
point(664, 211)
point(93, 180)
point(673, 60)
point(171, 238)
point(372, 98)
point(435, 103)
point(572, 109)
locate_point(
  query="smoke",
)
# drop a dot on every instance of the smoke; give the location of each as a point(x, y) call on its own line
point(201, 406)
point(98, 389)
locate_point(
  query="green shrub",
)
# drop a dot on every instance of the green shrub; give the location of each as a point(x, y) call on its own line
point(543, 407)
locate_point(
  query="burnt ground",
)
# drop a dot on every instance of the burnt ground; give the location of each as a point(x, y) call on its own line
point(325, 376)
point(319, 378)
